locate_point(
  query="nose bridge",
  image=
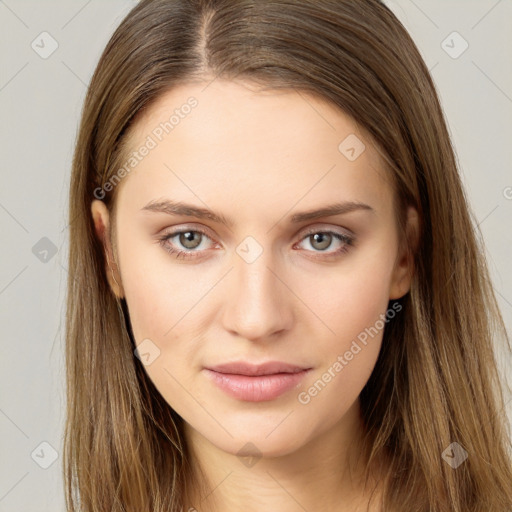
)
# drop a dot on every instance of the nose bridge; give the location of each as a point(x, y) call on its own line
point(256, 306)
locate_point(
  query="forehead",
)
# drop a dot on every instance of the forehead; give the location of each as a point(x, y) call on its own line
point(232, 140)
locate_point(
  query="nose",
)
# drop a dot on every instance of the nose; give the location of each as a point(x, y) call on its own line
point(258, 305)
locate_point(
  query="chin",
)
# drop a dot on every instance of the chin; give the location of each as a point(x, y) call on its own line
point(265, 436)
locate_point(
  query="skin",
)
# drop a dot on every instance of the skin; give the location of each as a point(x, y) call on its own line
point(257, 158)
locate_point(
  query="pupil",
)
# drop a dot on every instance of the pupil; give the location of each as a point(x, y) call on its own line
point(319, 237)
point(189, 239)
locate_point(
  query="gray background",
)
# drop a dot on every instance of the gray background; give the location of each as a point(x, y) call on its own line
point(40, 102)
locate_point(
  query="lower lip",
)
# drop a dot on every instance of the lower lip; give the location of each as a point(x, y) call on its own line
point(259, 388)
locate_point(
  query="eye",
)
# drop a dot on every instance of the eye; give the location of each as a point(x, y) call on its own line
point(185, 243)
point(189, 239)
point(320, 241)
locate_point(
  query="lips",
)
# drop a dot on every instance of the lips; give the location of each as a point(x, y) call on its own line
point(256, 383)
point(243, 368)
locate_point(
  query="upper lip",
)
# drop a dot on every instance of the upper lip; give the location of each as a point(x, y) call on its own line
point(244, 368)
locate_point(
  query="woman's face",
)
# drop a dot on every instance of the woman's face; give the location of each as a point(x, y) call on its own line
point(266, 326)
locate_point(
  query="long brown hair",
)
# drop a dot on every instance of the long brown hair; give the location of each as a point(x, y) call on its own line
point(436, 380)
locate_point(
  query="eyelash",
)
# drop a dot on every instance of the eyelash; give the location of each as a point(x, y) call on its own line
point(346, 239)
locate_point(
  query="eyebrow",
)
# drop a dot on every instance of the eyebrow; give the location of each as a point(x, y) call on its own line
point(189, 210)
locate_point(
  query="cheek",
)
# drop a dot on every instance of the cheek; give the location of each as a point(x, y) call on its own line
point(347, 362)
point(353, 306)
point(168, 305)
point(161, 301)
point(351, 297)
point(158, 292)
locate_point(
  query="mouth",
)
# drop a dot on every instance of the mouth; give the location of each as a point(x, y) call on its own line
point(256, 383)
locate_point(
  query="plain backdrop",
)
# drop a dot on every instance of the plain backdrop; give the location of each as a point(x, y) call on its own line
point(49, 50)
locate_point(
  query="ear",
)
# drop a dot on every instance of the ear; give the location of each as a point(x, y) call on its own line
point(101, 217)
point(404, 266)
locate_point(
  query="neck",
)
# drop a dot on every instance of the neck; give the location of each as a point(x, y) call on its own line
point(325, 474)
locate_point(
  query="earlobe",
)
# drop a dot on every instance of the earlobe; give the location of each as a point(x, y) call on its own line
point(404, 267)
point(101, 218)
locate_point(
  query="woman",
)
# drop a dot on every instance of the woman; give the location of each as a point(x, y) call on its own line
point(277, 297)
